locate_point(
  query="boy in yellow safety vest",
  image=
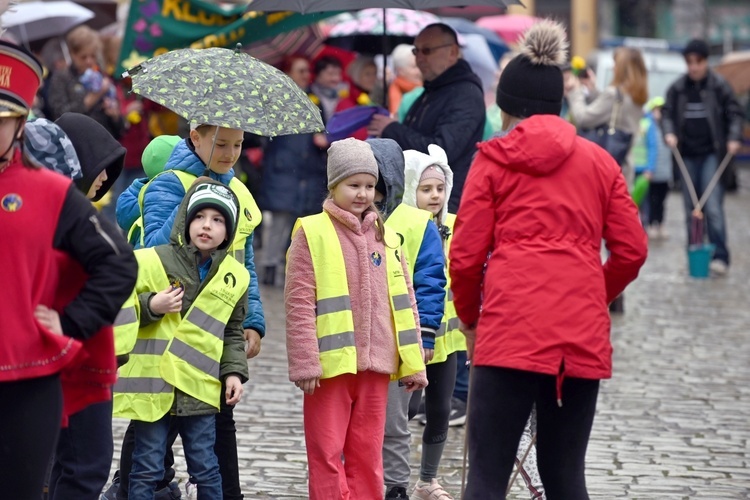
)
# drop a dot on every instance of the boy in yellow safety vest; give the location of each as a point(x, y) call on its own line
point(186, 334)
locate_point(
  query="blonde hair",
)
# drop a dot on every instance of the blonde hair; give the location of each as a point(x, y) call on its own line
point(630, 74)
point(380, 223)
point(82, 37)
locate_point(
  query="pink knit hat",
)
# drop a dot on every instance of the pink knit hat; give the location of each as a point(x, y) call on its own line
point(432, 172)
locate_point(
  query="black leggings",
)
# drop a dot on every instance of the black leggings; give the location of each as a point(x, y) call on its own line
point(29, 427)
point(437, 404)
point(657, 193)
point(499, 406)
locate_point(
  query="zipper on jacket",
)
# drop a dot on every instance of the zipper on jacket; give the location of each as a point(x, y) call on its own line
point(97, 225)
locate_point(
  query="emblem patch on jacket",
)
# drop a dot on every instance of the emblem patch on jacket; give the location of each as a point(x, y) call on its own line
point(11, 202)
point(376, 258)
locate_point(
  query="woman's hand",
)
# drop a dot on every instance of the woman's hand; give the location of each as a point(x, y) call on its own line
point(167, 301)
point(48, 318)
point(234, 390)
point(471, 335)
point(308, 385)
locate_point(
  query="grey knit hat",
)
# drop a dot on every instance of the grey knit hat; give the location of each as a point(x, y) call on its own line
point(350, 157)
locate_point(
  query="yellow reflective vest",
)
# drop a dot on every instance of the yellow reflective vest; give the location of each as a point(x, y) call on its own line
point(410, 222)
point(182, 352)
point(334, 321)
point(248, 217)
point(454, 339)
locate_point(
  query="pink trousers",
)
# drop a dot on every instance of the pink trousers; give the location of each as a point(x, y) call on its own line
point(344, 427)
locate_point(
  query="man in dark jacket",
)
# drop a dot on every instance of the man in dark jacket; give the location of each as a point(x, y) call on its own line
point(704, 120)
point(450, 112)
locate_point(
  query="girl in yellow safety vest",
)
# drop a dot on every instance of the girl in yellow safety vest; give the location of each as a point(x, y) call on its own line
point(428, 181)
point(351, 326)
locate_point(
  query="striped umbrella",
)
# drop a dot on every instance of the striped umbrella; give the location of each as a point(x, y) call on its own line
point(306, 42)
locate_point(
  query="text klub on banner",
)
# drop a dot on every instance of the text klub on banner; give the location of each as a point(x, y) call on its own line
point(157, 26)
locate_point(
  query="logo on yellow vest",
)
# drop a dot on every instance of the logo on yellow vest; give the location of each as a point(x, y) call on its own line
point(11, 202)
point(230, 277)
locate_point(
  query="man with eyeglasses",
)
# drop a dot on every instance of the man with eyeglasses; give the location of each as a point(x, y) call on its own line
point(450, 112)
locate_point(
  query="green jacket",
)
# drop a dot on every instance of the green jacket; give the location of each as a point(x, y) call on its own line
point(180, 261)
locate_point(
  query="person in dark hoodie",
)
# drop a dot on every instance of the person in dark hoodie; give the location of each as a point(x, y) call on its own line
point(450, 112)
point(539, 201)
point(81, 149)
point(423, 249)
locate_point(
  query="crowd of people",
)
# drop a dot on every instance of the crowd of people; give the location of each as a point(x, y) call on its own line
point(441, 234)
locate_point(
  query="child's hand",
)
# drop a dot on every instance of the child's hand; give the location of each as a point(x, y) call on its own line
point(308, 385)
point(234, 389)
point(428, 355)
point(48, 318)
point(413, 385)
point(167, 301)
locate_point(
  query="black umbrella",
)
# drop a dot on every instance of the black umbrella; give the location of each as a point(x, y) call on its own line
point(306, 6)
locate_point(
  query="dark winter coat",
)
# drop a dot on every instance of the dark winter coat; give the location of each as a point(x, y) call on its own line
point(294, 175)
point(725, 116)
point(451, 114)
point(66, 94)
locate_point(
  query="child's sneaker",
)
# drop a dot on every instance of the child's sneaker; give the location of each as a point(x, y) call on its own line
point(429, 491)
point(191, 490)
point(458, 413)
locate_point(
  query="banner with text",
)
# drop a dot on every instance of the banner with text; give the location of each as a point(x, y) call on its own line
point(157, 26)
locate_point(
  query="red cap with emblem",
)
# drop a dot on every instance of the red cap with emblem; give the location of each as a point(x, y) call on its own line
point(20, 78)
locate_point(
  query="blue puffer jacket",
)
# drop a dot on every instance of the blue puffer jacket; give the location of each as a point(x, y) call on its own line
point(161, 203)
point(429, 269)
point(128, 211)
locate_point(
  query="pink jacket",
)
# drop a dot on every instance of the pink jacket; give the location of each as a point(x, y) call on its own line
point(374, 333)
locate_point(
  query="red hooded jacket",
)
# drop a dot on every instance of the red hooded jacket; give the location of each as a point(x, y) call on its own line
point(540, 200)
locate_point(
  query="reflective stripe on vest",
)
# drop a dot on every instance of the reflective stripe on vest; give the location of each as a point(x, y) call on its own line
point(454, 340)
point(126, 326)
point(141, 393)
point(183, 353)
point(248, 217)
point(410, 223)
point(334, 320)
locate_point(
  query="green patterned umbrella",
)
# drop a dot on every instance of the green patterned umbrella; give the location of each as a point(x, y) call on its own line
point(228, 88)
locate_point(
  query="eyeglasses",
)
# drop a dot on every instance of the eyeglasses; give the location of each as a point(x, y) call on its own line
point(429, 50)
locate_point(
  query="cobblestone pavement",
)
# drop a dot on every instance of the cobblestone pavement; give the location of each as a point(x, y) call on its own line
point(673, 422)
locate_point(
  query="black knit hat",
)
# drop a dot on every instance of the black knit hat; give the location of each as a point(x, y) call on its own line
point(211, 194)
point(696, 46)
point(532, 83)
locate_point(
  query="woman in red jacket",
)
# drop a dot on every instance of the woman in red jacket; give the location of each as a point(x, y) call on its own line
point(539, 201)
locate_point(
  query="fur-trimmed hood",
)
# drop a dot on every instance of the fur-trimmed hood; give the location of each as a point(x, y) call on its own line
point(416, 163)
